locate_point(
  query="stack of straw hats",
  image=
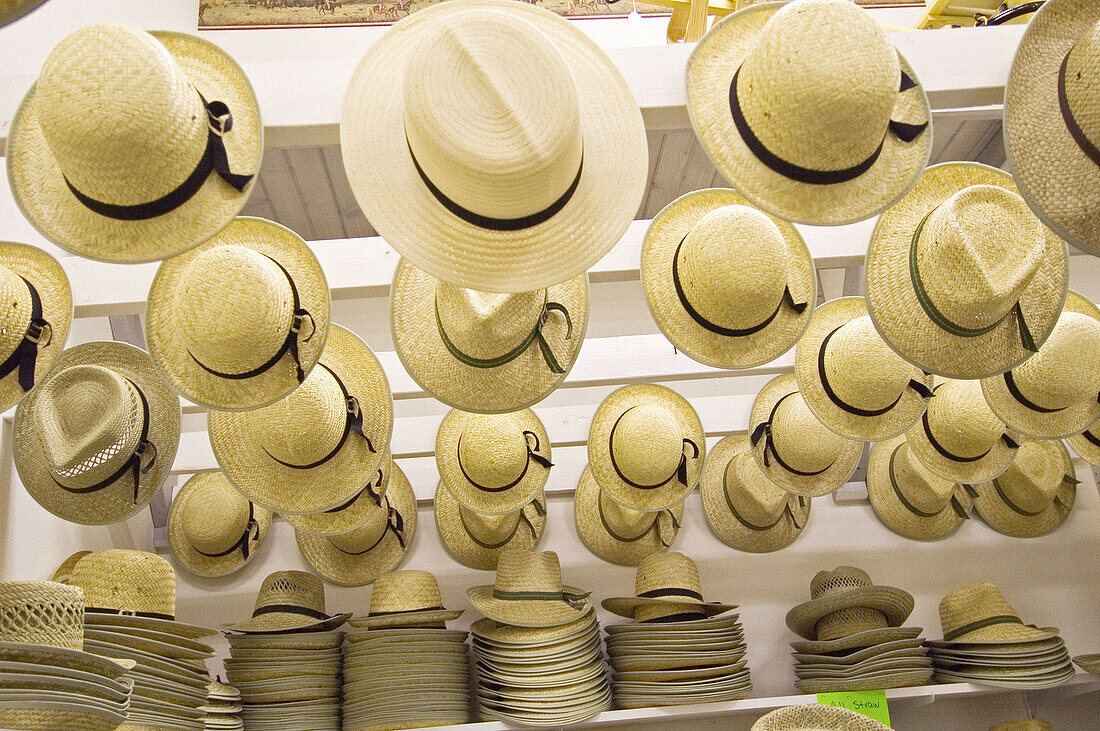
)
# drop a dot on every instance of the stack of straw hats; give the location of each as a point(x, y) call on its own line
point(285, 660)
point(223, 708)
point(853, 638)
point(402, 667)
point(539, 658)
point(985, 641)
point(679, 649)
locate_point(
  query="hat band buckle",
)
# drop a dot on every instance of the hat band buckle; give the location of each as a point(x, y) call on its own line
point(25, 355)
point(922, 390)
point(1083, 142)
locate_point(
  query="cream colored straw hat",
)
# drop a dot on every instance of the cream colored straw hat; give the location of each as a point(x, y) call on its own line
point(476, 539)
point(133, 146)
point(793, 448)
point(239, 321)
point(723, 316)
point(980, 615)
point(42, 613)
point(96, 438)
point(289, 601)
point(844, 602)
point(405, 599)
point(347, 517)
point(809, 110)
point(962, 279)
point(213, 529)
point(516, 127)
point(12, 10)
point(528, 592)
point(815, 717)
point(666, 588)
point(1087, 445)
point(64, 572)
point(316, 448)
point(1035, 495)
point(743, 507)
point(646, 447)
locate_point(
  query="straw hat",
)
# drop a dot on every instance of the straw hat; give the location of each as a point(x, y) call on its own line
point(476, 539)
point(239, 321)
point(743, 507)
point(405, 598)
point(347, 517)
point(12, 10)
point(64, 572)
point(666, 585)
point(137, 584)
point(42, 613)
point(528, 592)
point(1087, 445)
point(646, 447)
point(483, 351)
point(96, 438)
point(852, 380)
point(1030, 724)
point(723, 316)
point(316, 448)
point(213, 529)
point(980, 615)
point(959, 438)
point(815, 717)
point(289, 601)
point(844, 601)
point(133, 146)
point(374, 547)
point(1033, 496)
point(962, 279)
point(517, 126)
point(809, 110)
point(793, 448)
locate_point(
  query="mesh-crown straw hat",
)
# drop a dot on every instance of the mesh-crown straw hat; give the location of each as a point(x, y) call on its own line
point(1034, 495)
point(213, 529)
point(405, 598)
point(980, 614)
point(528, 592)
point(816, 717)
point(351, 514)
point(133, 146)
point(844, 601)
point(481, 139)
point(476, 539)
point(666, 585)
point(808, 110)
point(289, 601)
point(42, 613)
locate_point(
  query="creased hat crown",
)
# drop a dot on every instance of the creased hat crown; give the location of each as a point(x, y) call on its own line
point(405, 591)
point(487, 324)
point(523, 570)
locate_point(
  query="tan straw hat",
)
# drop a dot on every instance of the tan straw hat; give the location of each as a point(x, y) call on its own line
point(844, 601)
point(483, 351)
point(721, 315)
point(524, 151)
point(64, 572)
point(1087, 445)
point(132, 146)
point(528, 592)
point(979, 614)
point(816, 717)
point(42, 613)
point(289, 601)
point(96, 438)
point(1033, 496)
point(239, 321)
point(744, 508)
point(476, 539)
point(316, 448)
point(962, 279)
point(666, 586)
point(809, 110)
point(12, 10)
point(793, 448)
point(347, 517)
point(646, 447)
point(404, 599)
point(1030, 724)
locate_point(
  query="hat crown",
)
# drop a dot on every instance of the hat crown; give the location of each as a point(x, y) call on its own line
point(839, 580)
point(1066, 370)
point(625, 521)
point(214, 517)
point(15, 299)
point(493, 450)
point(923, 489)
point(1034, 478)
point(757, 499)
point(306, 425)
point(487, 324)
point(862, 369)
point(523, 570)
point(367, 534)
point(127, 581)
point(647, 444)
point(801, 439)
point(296, 588)
point(849, 621)
point(961, 421)
point(491, 529)
point(671, 570)
point(405, 591)
point(971, 604)
point(1083, 81)
point(42, 613)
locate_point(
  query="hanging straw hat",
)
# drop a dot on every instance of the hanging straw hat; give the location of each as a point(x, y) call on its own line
point(64, 572)
point(403, 599)
point(744, 508)
point(844, 601)
point(1087, 445)
point(528, 592)
point(1033, 496)
point(289, 601)
point(483, 351)
point(96, 438)
point(666, 585)
point(980, 615)
point(316, 448)
point(133, 146)
point(476, 539)
point(493, 463)
point(213, 529)
point(239, 321)
point(816, 717)
point(959, 438)
point(646, 447)
point(852, 380)
point(793, 448)
point(12, 10)
point(809, 110)
point(723, 316)
point(42, 613)
point(962, 279)
point(347, 517)
point(516, 126)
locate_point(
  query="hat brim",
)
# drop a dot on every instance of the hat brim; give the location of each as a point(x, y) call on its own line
point(814, 716)
point(468, 550)
point(998, 634)
point(168, 626)
point(1003, 518)
point(626, 606)
point(199, 563)
point(526, 612)
point(284, 622)
point(867, 638)
point(42, 194)
point(580, 631)
point(404, 619)
point(894, 603)
point(18, 10)
point(344, 520)
point(1087, 446)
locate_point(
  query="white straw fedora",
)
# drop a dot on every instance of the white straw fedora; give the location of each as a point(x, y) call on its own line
point(351, 514)
point(528, 592)
point(499, 129)
point(12, 10)
point(289, 601)
point(809, 110)
point(844, 601)
point(980, 614)
point(96, 438)
point(815, 717)
point(962, 279)
point(476, 539)
point(405, 599)
point(316, 448)
point(213, 529)
point(727, 317)
point(133, 146)
point(1033, 496)
point(239, 321)
point(666, 588)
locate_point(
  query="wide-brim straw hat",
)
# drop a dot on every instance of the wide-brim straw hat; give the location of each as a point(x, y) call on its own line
point(1087, 445)
point(289, 601)
point(242, 449)
point(528, 592)
point(847, 588)
point(666, 582)
point(403, 598)
point(162, 141)
point(895, 305)
point(852, 100)
point(347, 517)
point(1042, 477)
point(476, 539)
point(979, 614)
point(270, 281)
point(150, 427)
point(815, 717)
point(210, 510)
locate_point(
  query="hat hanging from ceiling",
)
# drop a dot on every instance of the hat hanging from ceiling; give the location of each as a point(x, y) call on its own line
point(95, 439)
point(516, 125)
point(213, 529)
point(809, 110)
point(1087, 445)
point(744, 508)
point(962, 279)
point(314, 449)
point(63, 573)
point(844, 601)
point(666, 588)
point(405, 599)
point(528, 592)
point(476, 539)
point(239, 321)
point(289, 601)
point(12, 10)
point(350, 515)
point(134, 146)
point(979, 614)
point(1035, 495)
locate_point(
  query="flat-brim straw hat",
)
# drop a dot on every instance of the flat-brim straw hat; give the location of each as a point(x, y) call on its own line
point(12, 10)
point(528, 592)
point(844, 601)
point(962, 279)
point(133, 146)
point(289, 601)
point(512, 171)
point(808, 110)
point(96, 438)
point(350, 515)
point(1087, 445)
point(814, 717)
point(979, 614)
point(213, 529)
point(1034, 496)
point(239, 321)
point(405, 599)
point(476, 539)
point(744, 508)
point(316, 448)
point(646, 447)
point(666, 588)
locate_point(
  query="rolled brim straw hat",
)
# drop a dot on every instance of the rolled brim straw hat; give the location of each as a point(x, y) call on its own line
point(979, 614)
point(476, 539)
point(1087, 445)
point(866, 638)
point(347, 517)
point(814, 717)
point(12, 10)
point(843, 589)
point(528, 592)
point(1046, 505)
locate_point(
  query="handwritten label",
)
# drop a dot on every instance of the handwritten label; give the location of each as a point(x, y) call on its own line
point(871, 703)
